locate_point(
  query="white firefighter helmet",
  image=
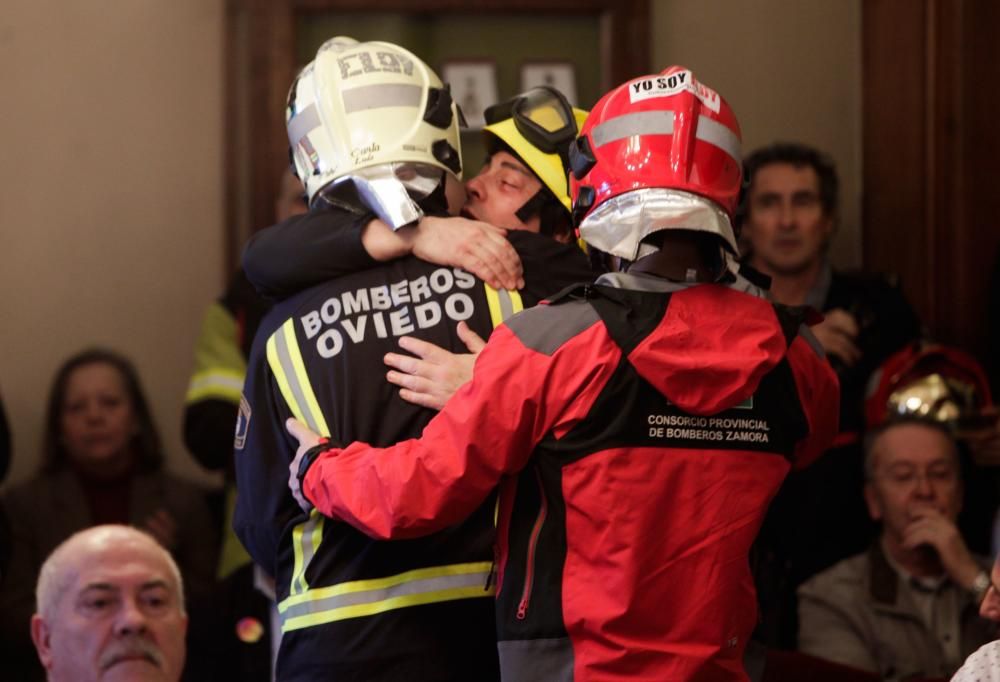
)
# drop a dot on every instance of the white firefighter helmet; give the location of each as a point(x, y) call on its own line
point(375, 118)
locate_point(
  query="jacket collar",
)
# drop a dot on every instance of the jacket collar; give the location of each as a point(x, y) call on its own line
point(883, 581)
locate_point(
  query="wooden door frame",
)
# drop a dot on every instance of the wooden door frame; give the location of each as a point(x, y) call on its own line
point(930, 93)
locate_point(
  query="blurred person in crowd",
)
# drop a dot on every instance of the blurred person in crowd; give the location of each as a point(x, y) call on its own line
point(908, 606)
point(102, 463)
point(947, 385)
point(110, 607)
point(789, 216)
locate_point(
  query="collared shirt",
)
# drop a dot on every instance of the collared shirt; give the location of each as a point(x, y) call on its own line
point(821, 289)
point(938, 601)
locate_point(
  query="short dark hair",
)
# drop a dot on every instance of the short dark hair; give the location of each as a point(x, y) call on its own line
point(797, 155)
point(148, 451)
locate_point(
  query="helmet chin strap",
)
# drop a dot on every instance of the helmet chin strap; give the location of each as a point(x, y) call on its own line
point(549, 211)
point(436, 203)
point(532, 206)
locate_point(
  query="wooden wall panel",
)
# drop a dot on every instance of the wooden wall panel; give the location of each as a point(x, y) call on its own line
point(931, 87)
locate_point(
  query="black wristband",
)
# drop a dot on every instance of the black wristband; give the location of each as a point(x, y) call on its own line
point(310, 456)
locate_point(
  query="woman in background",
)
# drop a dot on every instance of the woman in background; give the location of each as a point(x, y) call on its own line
point(102, 463)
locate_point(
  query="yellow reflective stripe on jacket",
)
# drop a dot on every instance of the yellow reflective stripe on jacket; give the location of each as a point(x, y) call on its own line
point(306, 538)
point(285, 360)
point(367, 597)
point(233, 554)
point(219, 365)
point(502, 304)
point(221, 384)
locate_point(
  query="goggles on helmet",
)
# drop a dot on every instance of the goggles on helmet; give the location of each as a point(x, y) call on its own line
point(542, 115)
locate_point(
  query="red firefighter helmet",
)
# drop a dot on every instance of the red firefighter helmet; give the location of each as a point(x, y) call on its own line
point(669, 136)
point(930, 381)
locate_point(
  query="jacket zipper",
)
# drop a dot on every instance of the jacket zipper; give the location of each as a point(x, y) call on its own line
point(529, 569)
point(492, 575)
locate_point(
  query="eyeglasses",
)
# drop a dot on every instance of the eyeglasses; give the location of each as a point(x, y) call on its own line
point(542, 115)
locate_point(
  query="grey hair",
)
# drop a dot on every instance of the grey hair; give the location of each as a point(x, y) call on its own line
point(54, 578)
point(873, 435)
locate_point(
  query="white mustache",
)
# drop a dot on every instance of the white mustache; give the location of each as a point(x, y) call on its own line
point(131, 647)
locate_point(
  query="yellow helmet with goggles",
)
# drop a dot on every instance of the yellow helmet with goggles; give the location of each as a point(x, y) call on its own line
point(538, 126)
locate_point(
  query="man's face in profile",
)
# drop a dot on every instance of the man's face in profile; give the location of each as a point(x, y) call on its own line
point(499, 190)
point(117, 617)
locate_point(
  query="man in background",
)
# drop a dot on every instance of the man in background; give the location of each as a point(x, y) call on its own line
point(110, 606)
point(908, 606)
point(789, 218)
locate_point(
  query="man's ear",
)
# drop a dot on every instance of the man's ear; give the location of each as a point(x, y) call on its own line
point(40, 635)
point(874, 504)
point(566, 237)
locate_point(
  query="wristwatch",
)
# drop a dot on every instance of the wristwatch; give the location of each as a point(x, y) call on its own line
point(980, 586)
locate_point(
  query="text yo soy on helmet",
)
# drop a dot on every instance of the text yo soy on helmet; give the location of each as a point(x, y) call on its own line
point(656, 153)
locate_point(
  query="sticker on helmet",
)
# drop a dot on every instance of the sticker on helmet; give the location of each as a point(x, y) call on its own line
point(365, 154)
point(667, 86)
point(364, 62)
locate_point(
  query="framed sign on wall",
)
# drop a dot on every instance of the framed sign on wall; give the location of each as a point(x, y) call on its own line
point(473, 86)
point(559, 75)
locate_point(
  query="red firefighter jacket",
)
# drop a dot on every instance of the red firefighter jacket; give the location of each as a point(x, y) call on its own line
point(639, 430)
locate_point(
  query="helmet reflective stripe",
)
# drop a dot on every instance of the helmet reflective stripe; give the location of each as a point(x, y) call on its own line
point(302, 123)
point(681, 136)
point(662, 123)
point(659, 152)
point(379, 96)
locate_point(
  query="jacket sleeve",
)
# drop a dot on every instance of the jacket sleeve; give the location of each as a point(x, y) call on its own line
point(486, 431)
point(214, 389)
point(262, 454)
point(828, 629)
point(819, 393)
point(306, 250)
